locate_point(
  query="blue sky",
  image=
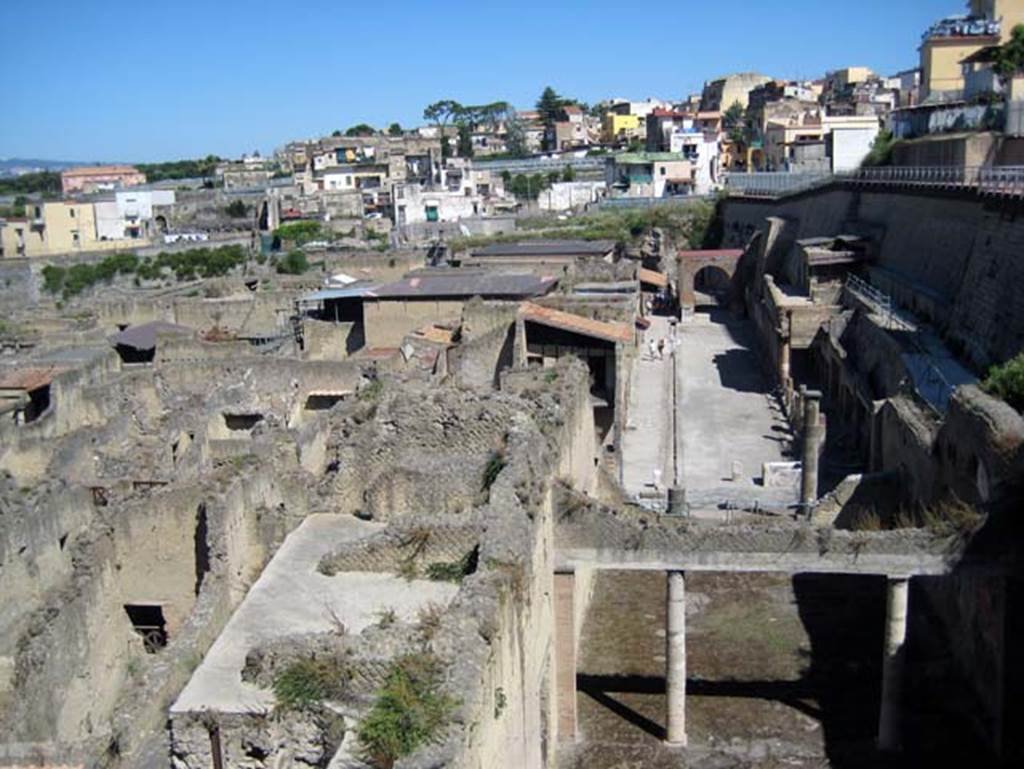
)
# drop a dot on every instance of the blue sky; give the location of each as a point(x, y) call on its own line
point(142, 81)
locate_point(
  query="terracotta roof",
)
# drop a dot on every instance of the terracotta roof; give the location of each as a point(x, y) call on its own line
point(711, 253)
point(28, 378)
point(434, 333)
point(653, 277)
point(98, 170)
point(599, 329)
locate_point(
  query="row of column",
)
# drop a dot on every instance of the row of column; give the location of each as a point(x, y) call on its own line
point(893, 662)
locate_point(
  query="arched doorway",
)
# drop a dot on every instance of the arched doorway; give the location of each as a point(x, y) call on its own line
point(711, 285)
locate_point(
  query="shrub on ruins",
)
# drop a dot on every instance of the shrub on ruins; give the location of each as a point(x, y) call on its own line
point(495, 464)
point(410, 711)
point(454, 571)
point(293, 263)
point(299, 233)
point(308, 683)
point(1006, 381)
point(237, 209)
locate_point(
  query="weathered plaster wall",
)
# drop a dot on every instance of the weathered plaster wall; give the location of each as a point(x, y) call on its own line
point(389, 320)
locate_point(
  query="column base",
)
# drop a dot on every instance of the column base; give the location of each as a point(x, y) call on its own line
point(675, 744)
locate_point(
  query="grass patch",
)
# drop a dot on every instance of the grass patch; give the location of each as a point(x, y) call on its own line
point(308, 683)
point(410, 711)
point(454, 571)
point(495, 464)
point(1006, 381)
point(687, 223)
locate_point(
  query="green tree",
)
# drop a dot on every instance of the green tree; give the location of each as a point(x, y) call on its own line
point(336, 133)
point(465, 146)
point(569, 174)
point(237, 209)
point(395, 129)
point(1010, 55)
point(881, 150)
point(294, 263)
point(361, 129)
point(515, 136)
point(551, 108)
point(441, 113)
point(733, 123)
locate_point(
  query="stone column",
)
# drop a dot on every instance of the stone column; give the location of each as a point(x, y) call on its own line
point(675, 660)
point(812, 440)
point(565, 655)
point(519, 349)
point(893, 663)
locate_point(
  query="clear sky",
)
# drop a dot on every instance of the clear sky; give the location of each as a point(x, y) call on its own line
point(146, 81)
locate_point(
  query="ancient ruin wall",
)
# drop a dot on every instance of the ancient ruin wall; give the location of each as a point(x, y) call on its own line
point(952, 259)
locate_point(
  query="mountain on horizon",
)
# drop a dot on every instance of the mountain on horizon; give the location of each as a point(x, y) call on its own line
point(19, 166)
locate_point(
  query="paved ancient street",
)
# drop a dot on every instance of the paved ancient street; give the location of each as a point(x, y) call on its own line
point(727, 419)
point(647, 442)
point(726, 414)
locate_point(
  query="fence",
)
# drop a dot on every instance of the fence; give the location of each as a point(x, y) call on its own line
point(996, 180)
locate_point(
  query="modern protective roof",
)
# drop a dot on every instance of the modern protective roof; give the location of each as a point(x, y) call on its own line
point(143, 336)
point(577, 324)
point(424, 284)
point(548, 248)
point(710, 253)
point(354, 291)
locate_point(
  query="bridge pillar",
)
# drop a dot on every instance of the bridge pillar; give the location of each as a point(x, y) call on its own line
point(565, 655)
point(675, 660)
point(812, 450)
point(893, 664)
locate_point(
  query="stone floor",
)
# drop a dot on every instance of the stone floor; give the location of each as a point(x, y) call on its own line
point(728, 419)
point(647, 441)
point(292, 598)
point(769, 685)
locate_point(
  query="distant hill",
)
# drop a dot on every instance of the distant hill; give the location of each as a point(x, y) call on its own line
point(19, 166)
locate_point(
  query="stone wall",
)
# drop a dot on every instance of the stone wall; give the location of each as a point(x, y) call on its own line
point(949, 257)
point(387, 321)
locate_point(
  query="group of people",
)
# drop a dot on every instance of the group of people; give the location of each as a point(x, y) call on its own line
point(656, 348)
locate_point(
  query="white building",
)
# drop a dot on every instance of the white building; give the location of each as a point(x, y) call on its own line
point(566, 196)
point(851, 137)
point(702, 150)
point(130, 213)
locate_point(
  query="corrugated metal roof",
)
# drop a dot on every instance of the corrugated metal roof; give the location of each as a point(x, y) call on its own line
point(711, 253)
point(652, 277)
point(548, 248)
point(28, 378)
point(348, 292)
point(456, 283)
point(143, 336)
point(599, 329)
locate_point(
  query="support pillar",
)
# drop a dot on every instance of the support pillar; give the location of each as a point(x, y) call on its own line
point(675, 661)
point(565, 655)
point(893, 664)
point(519, 349)
point(812, 450)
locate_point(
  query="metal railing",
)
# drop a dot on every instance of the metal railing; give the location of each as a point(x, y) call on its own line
point(993, 180)
point(928, 381)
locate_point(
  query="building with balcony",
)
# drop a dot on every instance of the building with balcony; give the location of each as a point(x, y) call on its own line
point(88, 179)
point(948, 42)
point(649, 175)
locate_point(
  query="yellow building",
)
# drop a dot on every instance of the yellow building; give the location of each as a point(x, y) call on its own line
point(951, 40)
point(51, 229)
point(615, 127)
